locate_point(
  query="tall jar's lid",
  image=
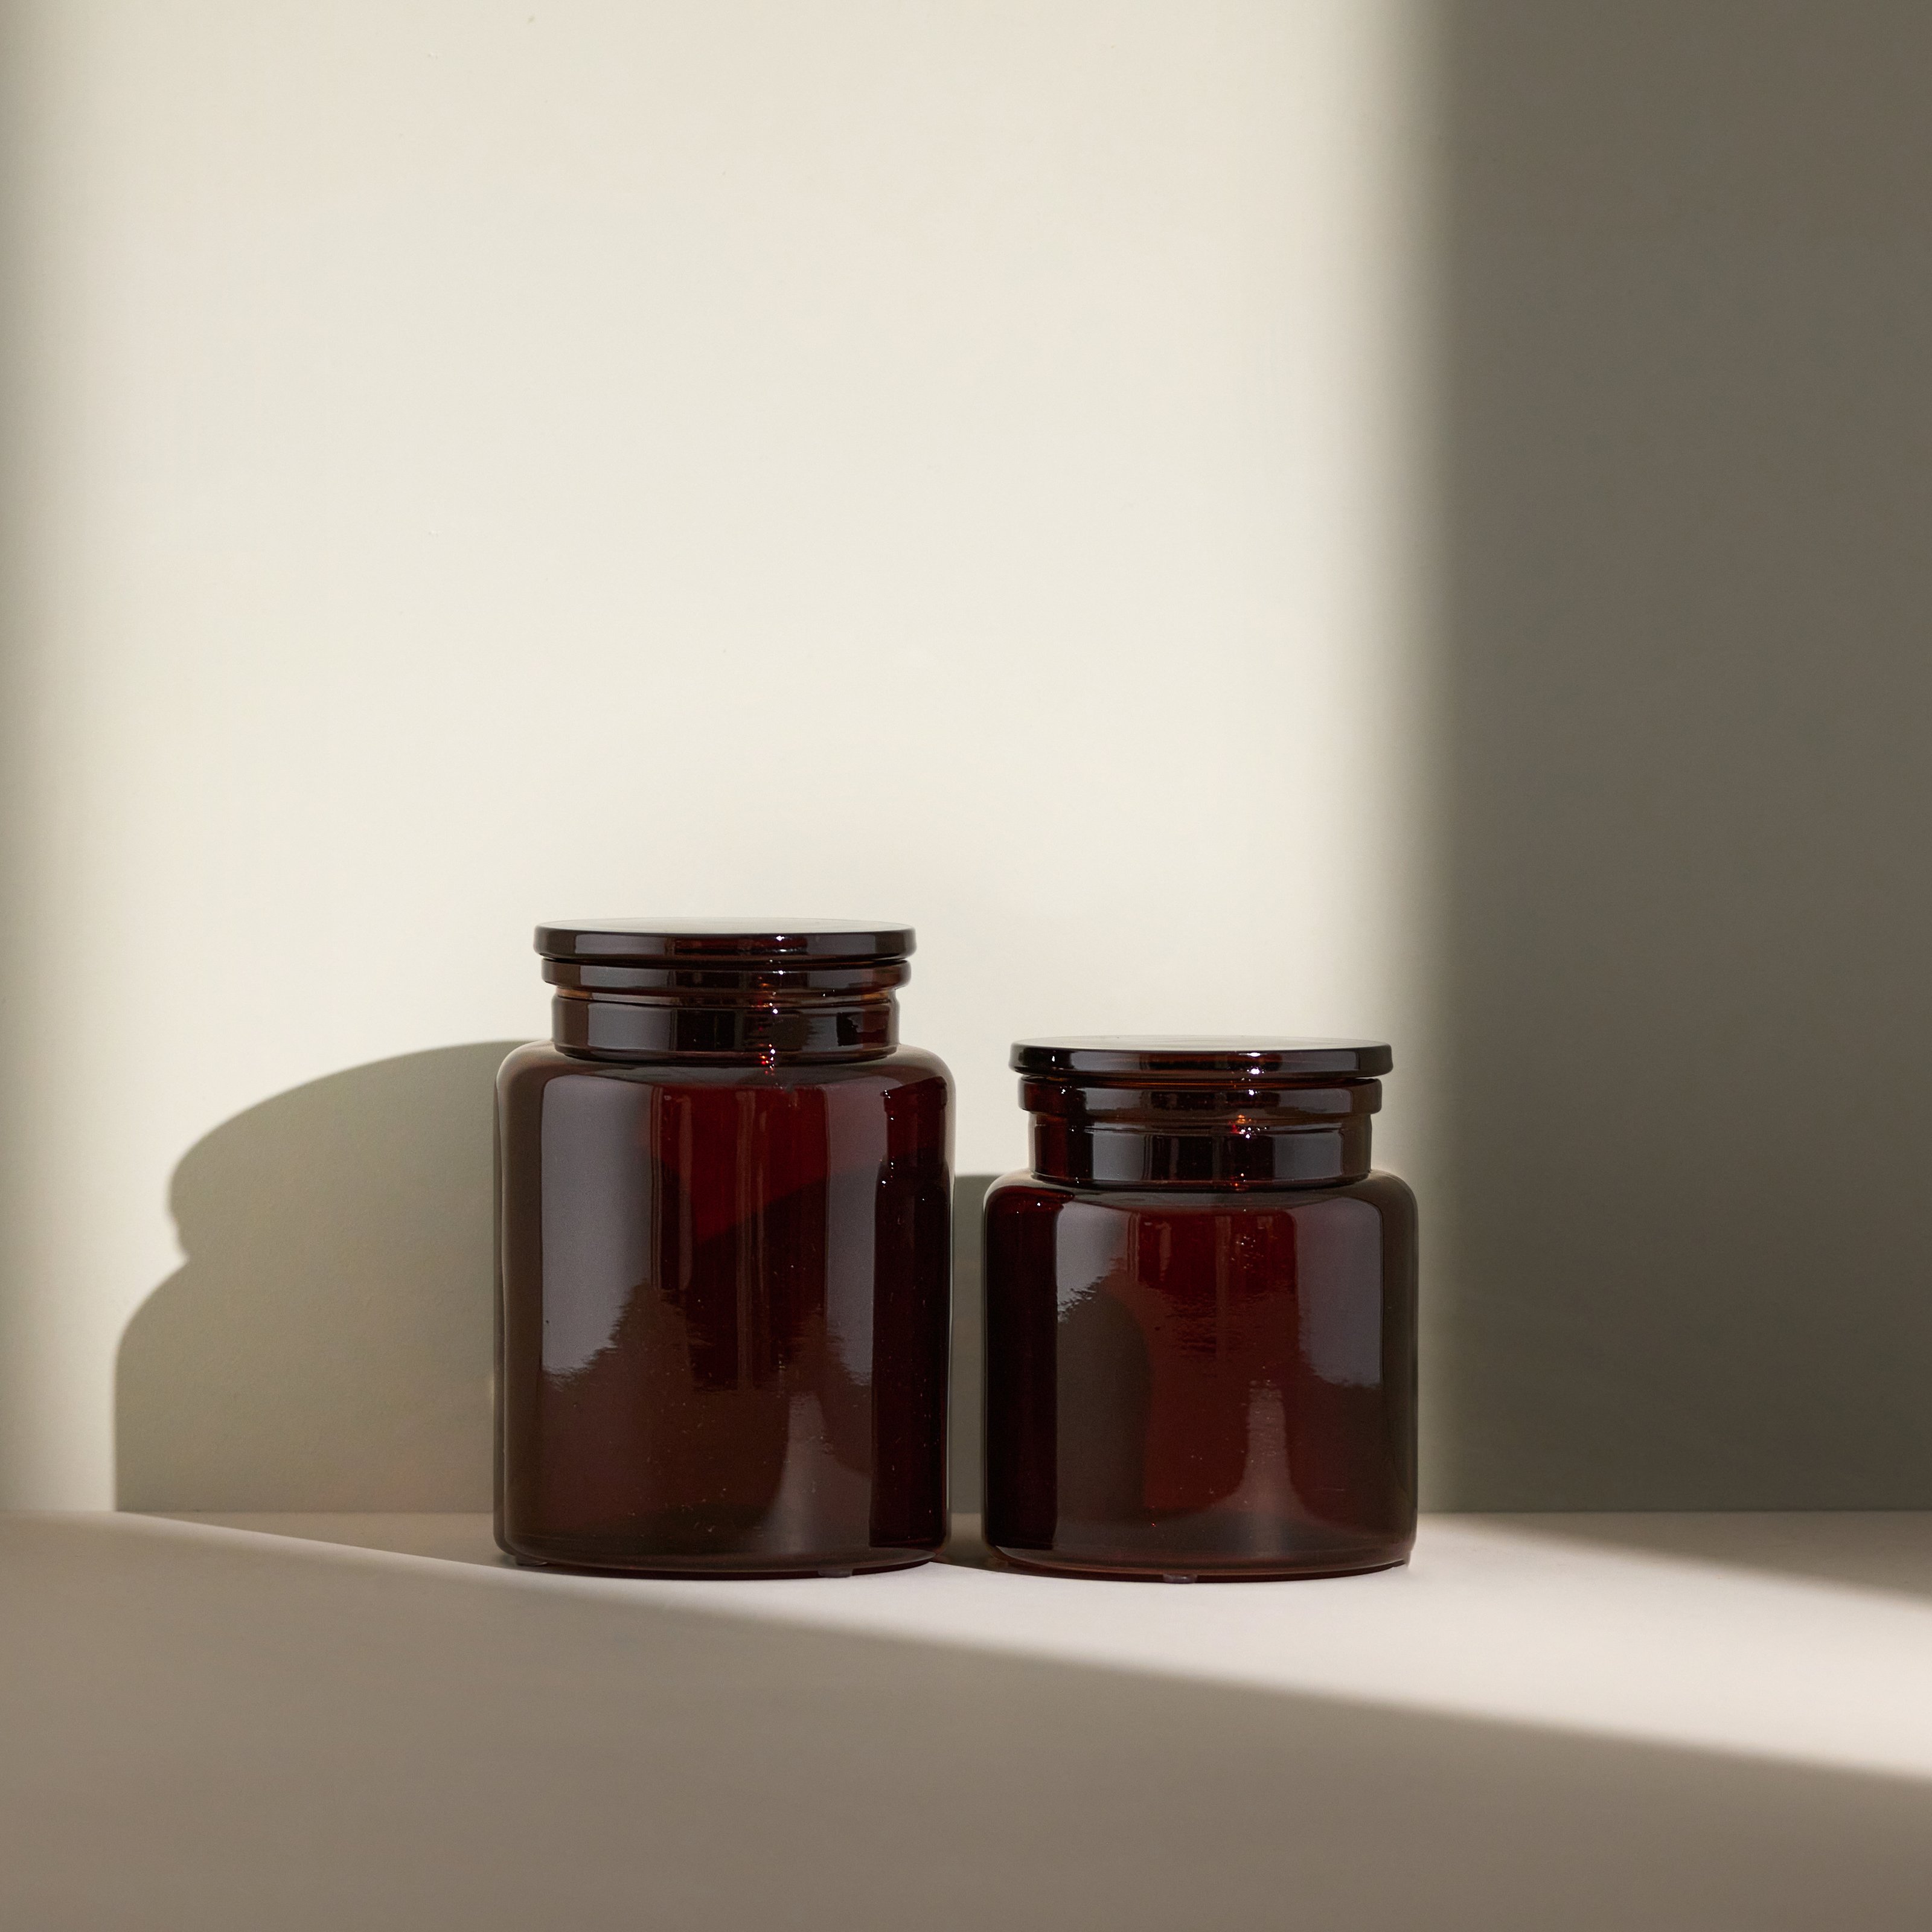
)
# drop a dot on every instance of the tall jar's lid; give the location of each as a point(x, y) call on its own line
point(645, 942)
point(1153, 1059)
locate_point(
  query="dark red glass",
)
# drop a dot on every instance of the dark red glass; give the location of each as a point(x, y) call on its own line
point(725, 1257)
point(1201, 1316)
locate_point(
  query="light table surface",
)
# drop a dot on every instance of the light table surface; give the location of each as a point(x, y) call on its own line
point(369, 1721)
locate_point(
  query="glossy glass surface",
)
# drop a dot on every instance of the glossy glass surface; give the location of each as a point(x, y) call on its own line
point(1209, 1371)
point(725, 1283)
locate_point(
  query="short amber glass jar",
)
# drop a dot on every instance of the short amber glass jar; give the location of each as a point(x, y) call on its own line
point(1201, 1316)
point(724, 1259)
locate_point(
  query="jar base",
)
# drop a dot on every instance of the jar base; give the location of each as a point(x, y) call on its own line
point(1317, 1567)
point(722, 1568)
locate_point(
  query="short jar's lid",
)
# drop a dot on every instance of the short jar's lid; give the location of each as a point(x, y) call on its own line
point(1159, 1056)
point(645, 941)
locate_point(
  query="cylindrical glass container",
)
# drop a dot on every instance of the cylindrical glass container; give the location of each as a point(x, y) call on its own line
point(1201, 1316)
point(725, 1257)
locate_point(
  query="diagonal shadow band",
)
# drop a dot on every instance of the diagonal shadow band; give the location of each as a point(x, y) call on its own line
point(327, 1342)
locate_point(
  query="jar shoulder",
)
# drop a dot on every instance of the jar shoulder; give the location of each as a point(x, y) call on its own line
point(1022, 1193)
point(540, 1061)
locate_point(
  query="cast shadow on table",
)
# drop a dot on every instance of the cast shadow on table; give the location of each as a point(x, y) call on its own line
point(327, 1343)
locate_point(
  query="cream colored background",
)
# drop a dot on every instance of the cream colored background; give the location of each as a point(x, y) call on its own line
point(472, 463)
point(1407, 516)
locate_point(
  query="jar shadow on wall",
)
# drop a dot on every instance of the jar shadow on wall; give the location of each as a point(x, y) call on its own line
point(326, 1343)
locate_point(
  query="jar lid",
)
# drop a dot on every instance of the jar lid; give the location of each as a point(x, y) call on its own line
point(644, 941)
point(1160, 1057)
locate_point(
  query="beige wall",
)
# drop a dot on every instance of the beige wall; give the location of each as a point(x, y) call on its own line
point(1312, 515)
point(472, 463)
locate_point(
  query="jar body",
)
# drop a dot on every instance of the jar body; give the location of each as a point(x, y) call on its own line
point(1201, 1382)
point(723, 1311)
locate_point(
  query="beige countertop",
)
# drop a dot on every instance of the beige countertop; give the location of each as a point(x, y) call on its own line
point(1561, 1723)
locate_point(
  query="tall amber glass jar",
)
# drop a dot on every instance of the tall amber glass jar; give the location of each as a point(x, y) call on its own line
point(724, 1258)
point(1201, 1316)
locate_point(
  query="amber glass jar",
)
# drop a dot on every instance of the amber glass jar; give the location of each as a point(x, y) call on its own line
point(725, 1261)
point(1201, 1316)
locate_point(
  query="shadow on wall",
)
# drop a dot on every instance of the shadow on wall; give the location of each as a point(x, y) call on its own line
point(328, 1343)
point(1689, 581)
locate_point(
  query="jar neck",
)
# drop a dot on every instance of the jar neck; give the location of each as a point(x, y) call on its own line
point(1176, 1135)
point(757, 1012)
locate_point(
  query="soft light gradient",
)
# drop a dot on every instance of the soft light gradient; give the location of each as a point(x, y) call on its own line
point(474, 463)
